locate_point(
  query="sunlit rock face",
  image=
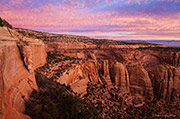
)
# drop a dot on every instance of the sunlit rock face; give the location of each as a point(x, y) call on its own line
point(19, 57)
point(147, 74)
point(120, 76)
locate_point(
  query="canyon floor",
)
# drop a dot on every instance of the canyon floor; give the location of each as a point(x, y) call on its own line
point(53, 76)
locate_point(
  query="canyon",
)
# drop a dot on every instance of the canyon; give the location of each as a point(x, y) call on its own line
point(132, 74)
point(113, 76)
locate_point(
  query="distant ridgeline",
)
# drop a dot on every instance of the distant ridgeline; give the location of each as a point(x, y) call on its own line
point(4, 23)
point(168, 43)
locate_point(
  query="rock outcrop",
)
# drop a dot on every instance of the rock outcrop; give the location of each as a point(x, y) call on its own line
point(175, 59)
point(140, 82)
point(165, 81)
point(104, 72)
point(18, 59)
point(120, 76)
point(145, 74)
point(89, 71)
point(78, 76)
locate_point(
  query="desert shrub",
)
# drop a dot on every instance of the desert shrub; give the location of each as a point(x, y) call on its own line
point(4, 23)
point(51, 55)
point(34, 92)
point(58, 102)
point(51, 107)
point(46, 116)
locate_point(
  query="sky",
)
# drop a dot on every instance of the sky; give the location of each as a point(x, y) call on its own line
point(109, 19)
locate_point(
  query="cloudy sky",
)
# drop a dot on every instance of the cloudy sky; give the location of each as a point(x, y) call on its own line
point(113, 19)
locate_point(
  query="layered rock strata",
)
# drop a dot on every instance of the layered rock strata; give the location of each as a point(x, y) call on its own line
point(147, 76)
point(18, 60)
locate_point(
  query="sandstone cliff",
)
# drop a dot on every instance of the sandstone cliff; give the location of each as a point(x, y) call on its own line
point(78, 76)
point(19, 56)
point(120, 76)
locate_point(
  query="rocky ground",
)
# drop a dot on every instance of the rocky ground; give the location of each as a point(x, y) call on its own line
point(110, 106)
point(57, 64)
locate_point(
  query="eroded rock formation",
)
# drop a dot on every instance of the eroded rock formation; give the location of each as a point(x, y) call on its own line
point(18, 60)
point(78, 76)
point(145, 74)
point(120, 76)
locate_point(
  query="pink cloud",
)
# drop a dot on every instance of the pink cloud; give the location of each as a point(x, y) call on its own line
point(68, 17)
point(75, 16)
point(145, 1)
point(19, 3)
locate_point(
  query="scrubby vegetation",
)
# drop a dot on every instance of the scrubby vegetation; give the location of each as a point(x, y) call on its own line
point(4, 23)
point(107, 104)
point(155, 109)
point(56, 101)
point(111, 105)
point(49, 37)
point(57, 64)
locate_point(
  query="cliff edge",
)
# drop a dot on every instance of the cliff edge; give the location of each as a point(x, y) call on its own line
point(19, 57)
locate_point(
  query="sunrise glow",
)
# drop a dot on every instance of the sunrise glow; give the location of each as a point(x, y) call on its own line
point(112, 19)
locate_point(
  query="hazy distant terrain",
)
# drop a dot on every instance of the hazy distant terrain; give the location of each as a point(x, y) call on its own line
point(168, 43)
